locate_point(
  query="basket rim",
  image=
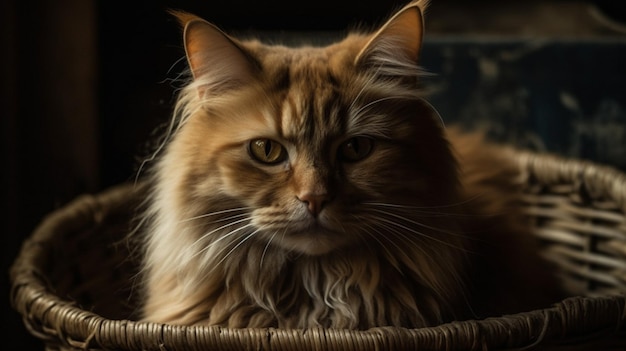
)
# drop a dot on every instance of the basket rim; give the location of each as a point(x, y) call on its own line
point(55, 320)
point(594, 179)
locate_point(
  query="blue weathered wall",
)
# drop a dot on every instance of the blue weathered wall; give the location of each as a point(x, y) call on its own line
point(563, 96)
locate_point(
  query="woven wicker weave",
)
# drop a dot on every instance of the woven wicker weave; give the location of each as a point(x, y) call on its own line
point(71, 279)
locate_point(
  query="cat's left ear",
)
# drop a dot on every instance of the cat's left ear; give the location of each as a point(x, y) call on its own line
point(399, 40)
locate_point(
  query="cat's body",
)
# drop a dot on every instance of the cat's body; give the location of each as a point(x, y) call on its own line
point(311, 187)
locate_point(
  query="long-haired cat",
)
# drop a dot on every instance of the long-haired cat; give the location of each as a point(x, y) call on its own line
point(314, 186)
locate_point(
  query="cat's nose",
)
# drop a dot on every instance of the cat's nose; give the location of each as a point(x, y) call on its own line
point(315, 202)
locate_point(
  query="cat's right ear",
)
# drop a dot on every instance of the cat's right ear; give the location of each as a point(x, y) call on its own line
point(215, 59)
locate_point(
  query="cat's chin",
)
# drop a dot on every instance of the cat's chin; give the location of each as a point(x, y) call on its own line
point(314, 241)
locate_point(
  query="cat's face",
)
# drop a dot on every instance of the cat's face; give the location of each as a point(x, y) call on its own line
point(307, 149)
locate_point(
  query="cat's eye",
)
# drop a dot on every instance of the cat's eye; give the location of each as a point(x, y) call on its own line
point(267, 151)
point(356, 149)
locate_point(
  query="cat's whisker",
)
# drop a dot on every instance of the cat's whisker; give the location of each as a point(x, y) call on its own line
point(218, 213)
point(228, 235)
point(219, 239)
point(414, 245)
point(338, 223)
point(407, 207)
point(464, 234)
point(375, 237)
point(451, 272)
point(226, 246)
point(269, 242)
point(408, 220)
point(419, 233)
point(427, 207)
point(410, 241)
point(214, 230)
point(221, 220)
point(406, 250)
point(241, 242)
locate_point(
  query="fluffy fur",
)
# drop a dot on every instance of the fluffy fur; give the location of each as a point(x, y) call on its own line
point(370, 213)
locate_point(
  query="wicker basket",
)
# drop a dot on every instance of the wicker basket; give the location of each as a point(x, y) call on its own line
point(71, 281)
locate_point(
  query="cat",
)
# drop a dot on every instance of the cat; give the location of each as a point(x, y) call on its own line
point(310, 186)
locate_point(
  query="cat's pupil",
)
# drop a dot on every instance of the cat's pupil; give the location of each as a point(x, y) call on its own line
point(356, 149)
point(354, 145)
point(267, 151)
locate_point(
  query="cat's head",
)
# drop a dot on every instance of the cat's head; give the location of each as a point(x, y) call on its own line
point(308, 149)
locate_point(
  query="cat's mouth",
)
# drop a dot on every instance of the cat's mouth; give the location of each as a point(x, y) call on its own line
point(301, 233)
point(315, 240)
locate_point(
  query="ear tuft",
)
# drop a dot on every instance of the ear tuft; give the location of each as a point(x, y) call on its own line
point(183, 17)
point(399, 40)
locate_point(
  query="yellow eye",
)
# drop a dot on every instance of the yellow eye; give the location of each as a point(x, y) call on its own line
point(267, 151)
point(356, 149)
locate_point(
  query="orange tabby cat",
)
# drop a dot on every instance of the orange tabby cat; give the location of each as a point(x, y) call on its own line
point(314, 186)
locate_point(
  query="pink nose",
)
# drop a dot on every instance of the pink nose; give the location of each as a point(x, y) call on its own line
point(315, 202)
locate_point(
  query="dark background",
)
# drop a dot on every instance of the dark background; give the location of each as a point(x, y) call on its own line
point(85, 82)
